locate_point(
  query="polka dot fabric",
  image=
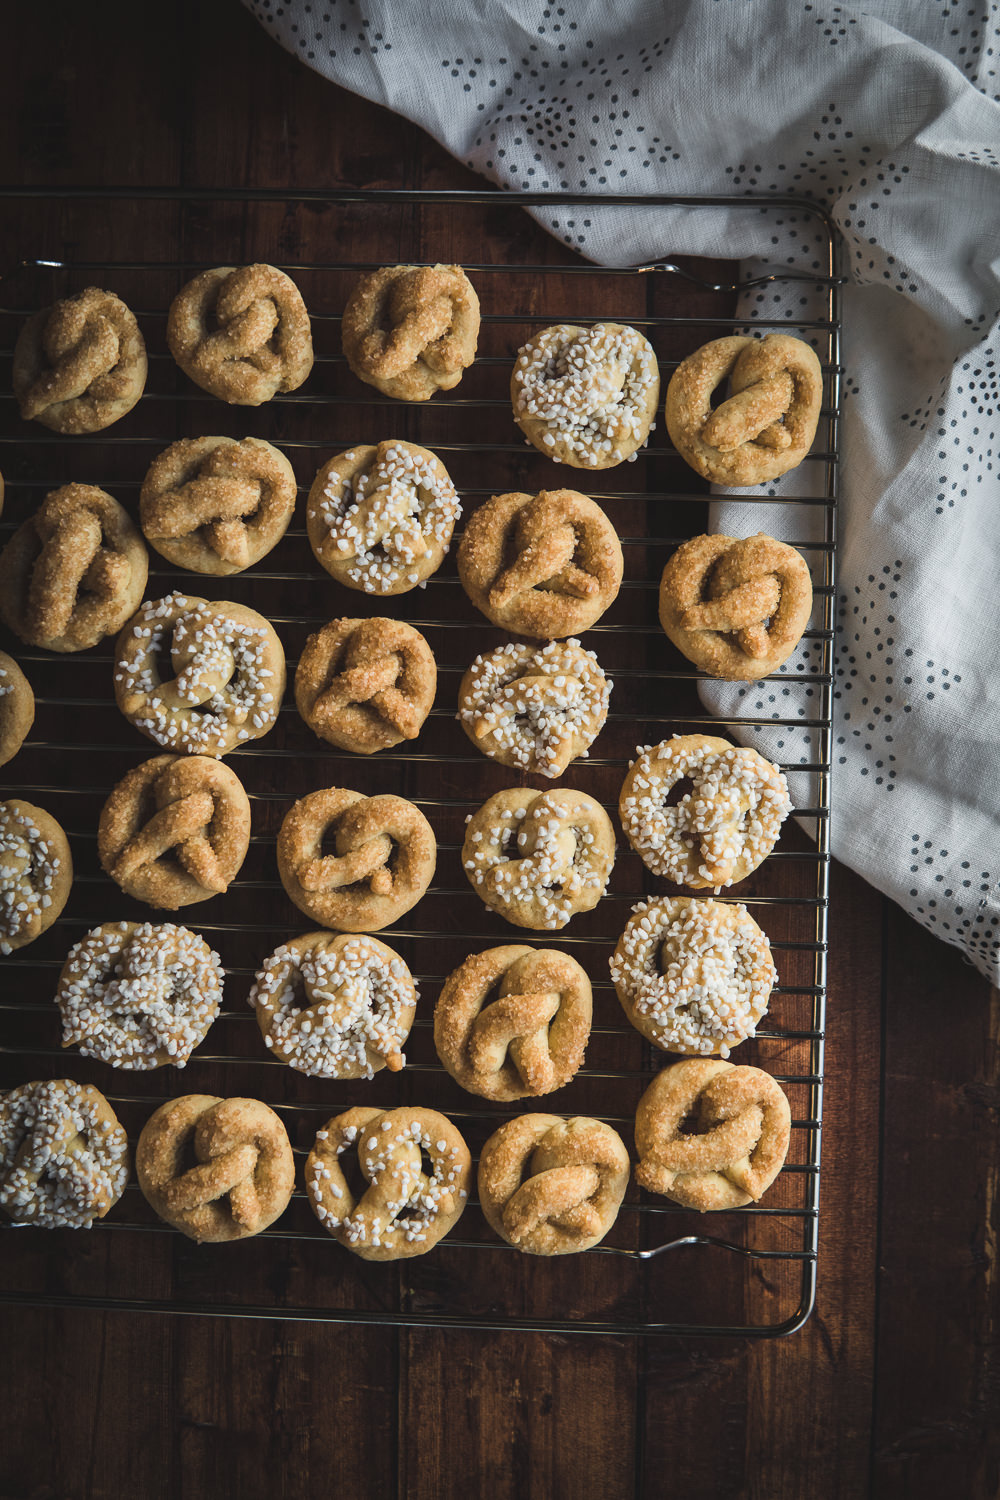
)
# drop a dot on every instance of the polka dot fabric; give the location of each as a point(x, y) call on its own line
point(888, 116)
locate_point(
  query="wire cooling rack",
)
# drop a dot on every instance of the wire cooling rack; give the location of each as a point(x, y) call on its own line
point(661, 1269)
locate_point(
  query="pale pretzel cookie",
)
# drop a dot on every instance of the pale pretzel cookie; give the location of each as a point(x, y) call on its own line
point(73, 572)
point(721, 828)
point(36, 873)
point(514, 1022)
point(380, 519)
point(736, 608)
point(81, 364)
point(17, 708)
point(365, 685)
point(541, 565)
point(241, 333)
point(536, 708)
point(244, 1172)
point(229, 674)
point(139, 995)
point(538, 858)
point(175, 830)
point(411, 330)
point(63, 1155)
point(552, 1187)
point(693, 976)
point(385, 859)
point(335, 1007)
point(215, 505)
point(405, 1208)
point(710, 1135)
point(586, 396)
point(767, 425)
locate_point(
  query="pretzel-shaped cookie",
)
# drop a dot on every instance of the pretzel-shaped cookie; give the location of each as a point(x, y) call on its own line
point(718, 831)
point(405, 1210)
point(17, 708)
point(63, 1155)
point(736, 1127)
point(767, 425)
point(36, 872)
point(365, 685)
point(737, 609)
point(73, 572)
point(541, 565)
point(565, 849)
point(229, 674)
point(411, 330)
point(335, 1007)
point(241, 333)
point(80, 364)
point(386, 853)
point(550, 1186)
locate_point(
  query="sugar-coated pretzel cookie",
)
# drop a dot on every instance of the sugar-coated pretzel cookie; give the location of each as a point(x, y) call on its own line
point(175, 830)
point(380, 518)
point(541, 565)
point(586, 396)
point(538, 858)
point(335, 1006)
point(36, 872)
point(81, 364)
point(244, 1174)
point(550, 1186)
point(536, 708)
point(514, 1022)
point(215, 505)
point(385, 859)
point(694, 976)
point(139, 995)
point(411, 330)
point(229, 669)
point(405, 1210)
point(242, 333)
point(73, 572)
point(711, 1135)
point(767, 425)
point(17, 708)
point(720, 829)
point(736, 608)
point(365, 685)
point(63, 1155)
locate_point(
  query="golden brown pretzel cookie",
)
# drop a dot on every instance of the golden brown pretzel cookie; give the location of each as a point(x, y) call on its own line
point(17, 708)
point(80, 364)
point(694, 976)
point(380, 518)
point(736, 1124)
point(139, 995)
point(175, 830)
point(514, 1021)
point(736, 608)
point(586, 396)
point(538, 858)
point(365, 685)
point(550, 1186)
point(723, 827)
point(541, 565)
point(769, 421)
point(242, 333)
point(229, 671)
point(36, 872)
point(73, 572)
point(386, 853)
point(215, 505)
point(63, 1155)
point(335, 1007)
point(244, 1175)
point(411, 330)
point(404, 1210)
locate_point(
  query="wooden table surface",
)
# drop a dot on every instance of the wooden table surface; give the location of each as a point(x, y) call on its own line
point(890, 1390)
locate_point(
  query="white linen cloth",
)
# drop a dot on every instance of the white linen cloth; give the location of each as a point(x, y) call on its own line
point(887, 114)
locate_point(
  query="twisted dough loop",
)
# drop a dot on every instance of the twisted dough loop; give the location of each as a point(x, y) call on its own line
point(36, 872)
point(411, 330)
point(63, 1155)
point(81, 364)
point(365, 685)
